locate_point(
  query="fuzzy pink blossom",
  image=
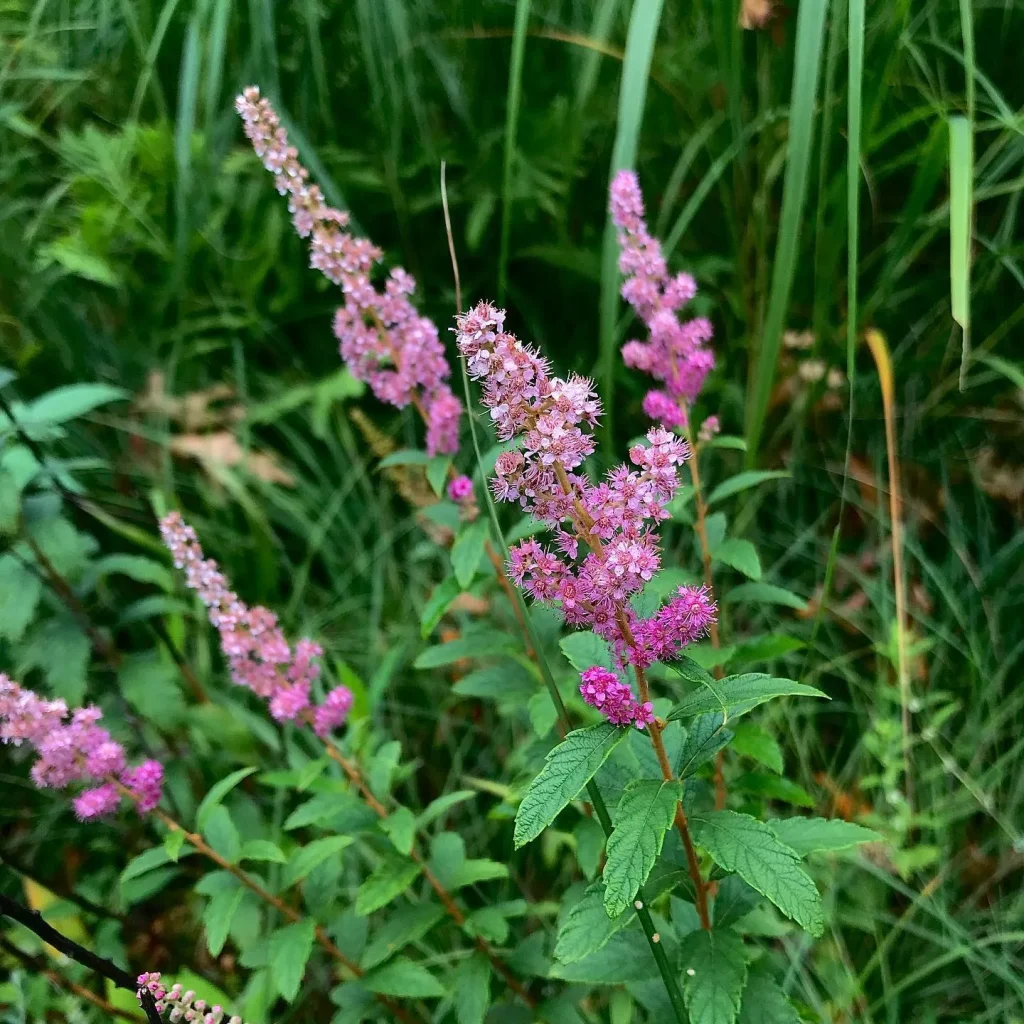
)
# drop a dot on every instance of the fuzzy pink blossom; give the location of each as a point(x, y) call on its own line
point(676, 351)
point(610, 549)
point(182, 1004)
point(259, 657)
point(73, 751)
point(709, 428)
point(602, 689)
point(460, 489)
point(382, 338)
point(333, 711)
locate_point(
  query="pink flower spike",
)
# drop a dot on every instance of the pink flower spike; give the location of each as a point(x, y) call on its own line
point(97, 802)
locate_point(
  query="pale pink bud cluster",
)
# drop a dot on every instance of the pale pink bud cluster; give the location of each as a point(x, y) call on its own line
point(676, 351)
point(602, 689)
point(611, 549)
point(73, 751)
point(383, 340)
point(257, 652)
point(710, 428)
point(181, 1004)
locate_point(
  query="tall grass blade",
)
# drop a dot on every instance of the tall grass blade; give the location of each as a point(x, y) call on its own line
point(961, 175)
point(601, 28)
point(636, 69)
point(513, 100)
point(810, 32)
point(188, 92)
point(216, 45)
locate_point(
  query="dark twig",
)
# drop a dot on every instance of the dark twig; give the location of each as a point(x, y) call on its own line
point(33, 921)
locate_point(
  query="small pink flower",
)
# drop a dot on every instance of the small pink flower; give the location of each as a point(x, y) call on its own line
point(460, 489)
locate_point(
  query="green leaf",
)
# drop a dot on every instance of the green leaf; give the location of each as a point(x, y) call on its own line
point(443, 804)
point(768, 647)
point(382, 768)
point(740, 555)
point(218, 791)
point(482, 643)
point(69, 402)
point(389, 879)
point(290, 948)
point(310, 772)
point(60, 649)
point(150, 682)
point(221, 834)
point(437, 604)
point(488, 923)
point(472, 989)
point(448, 862)
point(736, 695)
point(742, 481)
point(407, 924)
point(324, 807)
point(173, 842)
point(764, 1002)
point(715, 966)
point(404, 979)
point(590, 840)
point(262, 850)
point(568, 768)
point(707, 736)
point(820, 835)
point(467, 551)
point(773, 787)
point(734, 899)
point(400, 826)
point(625, 957)
point(644, 815)
point(308, 857)
point(730, 441)
point(405, 457)
point(740, 843)
point(586, 649)
point(156, 857)
point(507, 682)
point(10, 502)
point(752, 741)
point(764, 593)
point(543, 713)
point(68, 550)
point(587, 927)
point(136, 567)
point(437, 473)
point(217, 917)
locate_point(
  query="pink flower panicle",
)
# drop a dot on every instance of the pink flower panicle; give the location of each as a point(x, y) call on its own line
point(75, 750)
point(182, 1004)
point(676, 352)
point(602, 689)
point(383, 340)
point(612, 551)
point(258, 654)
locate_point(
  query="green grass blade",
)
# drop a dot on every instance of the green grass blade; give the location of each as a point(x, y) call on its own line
point(513, 101)
point(216, 45)
point(188, 92)
point(636, 69)
point(810, 32)
point(961, 182)
point(854, 120)
point(601, 29)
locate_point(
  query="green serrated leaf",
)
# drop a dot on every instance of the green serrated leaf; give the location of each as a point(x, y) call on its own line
point(437, 473)
point(149, 860)
point(400, 826)
point(472, 989)
point(586, 649)
point(542, 712)
point(289, 951)
point(63, 404)
point(764, 1002)
point(443, 804)
point(262, 850)
point(173, 842)
point(407, 924)
point(740, 555)
point(764, 593)
point(221, 834)
point(467, 551)
point(736, 695)
point(734, 899)
point(715, 972)
point(217, 918)
point(389, 879)
point(625, 957)
point(382, 768)
point(404, 979)
point(743, 481)
point(309, 856)
point(707, 736)
point(309, 773)
point(587, 927)
point(481, 643)
point(740, 843)
point(568, 768)
point(448, 862)
point(488, 923)
point(437, 604)
point(218, 791)
point(819, 835)
point(773, 787)
point(752, 741)
point(590, 839)
point(644, 815)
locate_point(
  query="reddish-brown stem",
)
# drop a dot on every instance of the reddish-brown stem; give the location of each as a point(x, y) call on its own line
point(355, 776)
point(322, 938)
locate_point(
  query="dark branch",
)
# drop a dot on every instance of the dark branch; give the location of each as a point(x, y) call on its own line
point(34, 922)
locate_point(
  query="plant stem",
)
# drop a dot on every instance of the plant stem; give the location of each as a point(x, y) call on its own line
point(34, 922)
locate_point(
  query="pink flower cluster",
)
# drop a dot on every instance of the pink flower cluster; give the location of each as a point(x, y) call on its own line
point(676, 352)
point(383, 340)
point(614, 520)
point(182, 1004)
point(257, 652)
point(78, 750)
point(604, 690)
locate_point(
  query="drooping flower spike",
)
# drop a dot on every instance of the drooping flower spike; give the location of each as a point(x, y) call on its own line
point(676, 352)
point(383, 339)
point(610, 550)
point(76, 750)
point(258, 654)
point(182, 1004)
